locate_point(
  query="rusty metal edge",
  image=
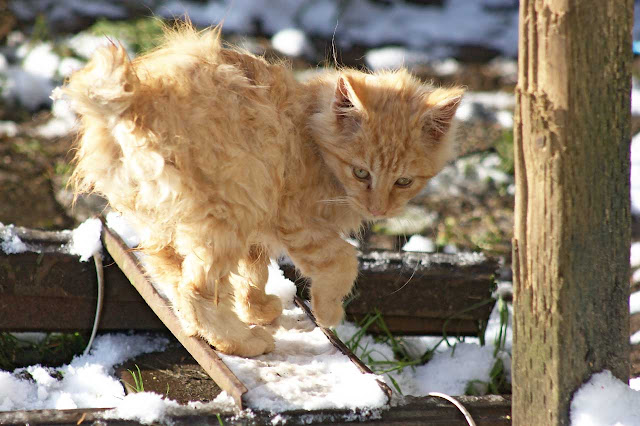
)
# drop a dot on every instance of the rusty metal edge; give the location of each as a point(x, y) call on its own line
point(335, 341)
point(201, 351)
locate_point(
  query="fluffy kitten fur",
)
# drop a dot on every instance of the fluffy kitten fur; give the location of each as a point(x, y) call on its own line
point(227, 160)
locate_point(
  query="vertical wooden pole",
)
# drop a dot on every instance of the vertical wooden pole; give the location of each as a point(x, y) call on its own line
point(572, 214)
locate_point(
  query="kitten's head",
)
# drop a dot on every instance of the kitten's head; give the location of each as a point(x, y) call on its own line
point(384, 136)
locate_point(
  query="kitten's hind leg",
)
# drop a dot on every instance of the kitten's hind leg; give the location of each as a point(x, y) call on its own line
point(211, 316)
point(252, 304)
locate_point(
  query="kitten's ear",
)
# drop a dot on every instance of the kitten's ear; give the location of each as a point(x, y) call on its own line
point(349, 97)
point(441, 106)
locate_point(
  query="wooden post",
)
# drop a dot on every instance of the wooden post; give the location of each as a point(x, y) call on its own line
point(572, 213)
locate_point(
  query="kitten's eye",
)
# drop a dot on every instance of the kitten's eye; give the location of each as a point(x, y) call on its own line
point(403, 181)
point(361, 174)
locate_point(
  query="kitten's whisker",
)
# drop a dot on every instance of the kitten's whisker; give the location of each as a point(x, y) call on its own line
point(406, 282)
point(338, 200)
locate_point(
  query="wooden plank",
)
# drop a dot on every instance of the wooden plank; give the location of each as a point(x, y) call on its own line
point(416, 293)
point(422, 293)
point(494, 410)
point(51, 290)
point(198, 348)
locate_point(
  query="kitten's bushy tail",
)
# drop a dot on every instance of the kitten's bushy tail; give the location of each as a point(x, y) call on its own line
point(105, 88)
point(101, 94)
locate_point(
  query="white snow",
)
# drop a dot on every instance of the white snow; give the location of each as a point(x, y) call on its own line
point(505, 119)
point(86, 239)
point(292, 42)
point(605, 400)
point(85, 44)
point(8, 128)
point(68, 66)
point(427, 28)
point(29, 90)
point(419, 243)
point(305, 371)
point(634, 258)
point(449, 371)
point(144, 407)
point(473, 174)
point(87, 382)
point(39, 60)
point(635, 174)
point(120, 226)
point(62, 121)
point(634, 302)
point(394, 57)
point(10, 242)
point(635, 96)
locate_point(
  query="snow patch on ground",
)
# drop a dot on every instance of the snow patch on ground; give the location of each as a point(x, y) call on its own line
point(87, 382)
point(635, 174)
point(420, 243)
point(292, 42)
point(10, 242)
point(605, 400)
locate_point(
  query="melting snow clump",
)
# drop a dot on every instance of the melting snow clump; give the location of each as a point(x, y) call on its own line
point(10, 243)
point(86, 239)
point(120, 226)
point(419, 243)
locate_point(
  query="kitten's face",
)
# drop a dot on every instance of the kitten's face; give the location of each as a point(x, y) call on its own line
point(378, 185)
point(389, 137)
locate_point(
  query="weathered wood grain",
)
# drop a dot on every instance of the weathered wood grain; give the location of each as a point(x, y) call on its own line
point(492, 410)
point(51, 290)
point(416, 293)
point(422, 293)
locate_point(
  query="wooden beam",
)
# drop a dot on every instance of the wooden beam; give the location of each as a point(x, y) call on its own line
point(492, 410)
point(49, 289)
point(422, 293)
point(416, 293)
point(572, 213)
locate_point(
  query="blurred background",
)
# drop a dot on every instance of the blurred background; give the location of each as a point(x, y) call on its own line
point(469, 42)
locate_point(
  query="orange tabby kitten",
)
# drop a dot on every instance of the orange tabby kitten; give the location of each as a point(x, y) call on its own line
point(225, 159)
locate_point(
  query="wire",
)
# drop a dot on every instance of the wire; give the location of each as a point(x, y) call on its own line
point(458, 405)
point(97, 258)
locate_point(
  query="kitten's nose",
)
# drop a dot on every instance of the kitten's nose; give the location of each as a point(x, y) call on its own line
point(377, 211)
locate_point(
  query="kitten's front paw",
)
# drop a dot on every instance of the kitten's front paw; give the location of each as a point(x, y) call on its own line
point(328, 312)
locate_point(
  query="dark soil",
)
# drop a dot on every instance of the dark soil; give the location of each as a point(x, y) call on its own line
point(173, 373)
point(29, 168)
